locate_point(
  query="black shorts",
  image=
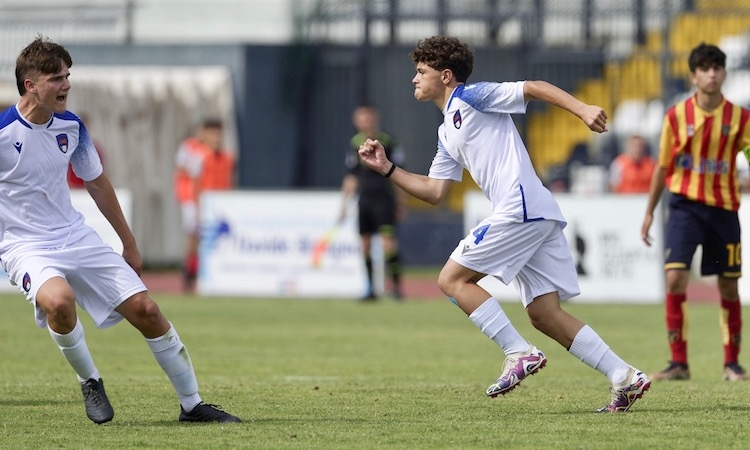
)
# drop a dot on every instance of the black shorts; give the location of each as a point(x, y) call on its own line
point(716, 230)
point(377, 215)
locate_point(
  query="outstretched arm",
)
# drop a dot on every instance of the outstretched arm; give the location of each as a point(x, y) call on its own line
point(593, 116)
point(430, 190)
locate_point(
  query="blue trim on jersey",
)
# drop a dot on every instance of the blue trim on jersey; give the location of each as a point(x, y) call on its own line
point(479, 96)
point(456, 93)
point(67, 115)
point(9, 116)
point(525, 216)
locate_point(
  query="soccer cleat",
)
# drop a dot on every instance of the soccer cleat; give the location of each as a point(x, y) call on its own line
point(204, 412)
point(734, 372)
point(98, 408)
point(674, 371)
point(627, 392)
point(517, 366)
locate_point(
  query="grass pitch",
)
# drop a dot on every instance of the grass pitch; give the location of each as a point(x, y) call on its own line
point(337, 374)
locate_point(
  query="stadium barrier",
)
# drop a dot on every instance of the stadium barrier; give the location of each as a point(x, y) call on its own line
point(288, 244)
point(281, 244)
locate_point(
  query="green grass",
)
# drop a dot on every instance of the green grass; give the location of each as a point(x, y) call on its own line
point(337, 374)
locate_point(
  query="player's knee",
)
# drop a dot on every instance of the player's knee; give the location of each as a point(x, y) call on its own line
point(60, 309)
point(59, 302)
point(141, 309)
point(544, 312)
point(446, 283)
point(677, 281)
point(536, 319)
point(728, 289)
point(149, 310)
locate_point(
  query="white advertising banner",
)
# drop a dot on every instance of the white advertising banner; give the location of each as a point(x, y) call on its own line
point(83, 202)
point(603, 231)
point(279, 244)
point(744, 282)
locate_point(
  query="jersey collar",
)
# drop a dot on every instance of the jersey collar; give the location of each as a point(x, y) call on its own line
point(456, 92)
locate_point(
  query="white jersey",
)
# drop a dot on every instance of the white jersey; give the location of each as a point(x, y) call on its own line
point(478, 134)
point(35, 206)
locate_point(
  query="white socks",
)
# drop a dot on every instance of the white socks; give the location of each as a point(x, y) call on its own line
point(168, 350)
point(173, 358)
point(74, 349)
point(587, 345)
point(594, 352)
point(495, 324)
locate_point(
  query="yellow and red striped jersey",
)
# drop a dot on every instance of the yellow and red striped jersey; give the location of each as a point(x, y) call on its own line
point(698, 150)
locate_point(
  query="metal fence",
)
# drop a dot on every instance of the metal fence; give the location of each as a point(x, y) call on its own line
point(611, 24)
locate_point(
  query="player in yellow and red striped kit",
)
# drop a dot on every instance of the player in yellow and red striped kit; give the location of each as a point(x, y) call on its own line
point(701, 137)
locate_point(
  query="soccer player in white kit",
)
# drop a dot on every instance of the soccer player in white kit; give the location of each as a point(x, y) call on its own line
point(522, 241)
point(54, 258)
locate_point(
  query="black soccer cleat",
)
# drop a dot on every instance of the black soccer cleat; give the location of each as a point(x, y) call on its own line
point(204, 412)
point(98, 408)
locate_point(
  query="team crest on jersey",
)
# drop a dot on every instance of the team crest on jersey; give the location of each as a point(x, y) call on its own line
point(62, 142)
point(457, 119)
point(690, 130)
point(725, 130)
point(26, 283)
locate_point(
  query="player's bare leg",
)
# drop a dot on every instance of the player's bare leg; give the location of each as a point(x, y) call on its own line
point(144, 314)
point(56, 298)
point(392, 260)
point(628, 383)
point(547, 316)
point(521, 358)
point(366, 246)
point(190, 271)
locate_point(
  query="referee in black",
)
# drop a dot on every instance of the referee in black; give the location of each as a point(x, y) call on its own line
point(381, 203)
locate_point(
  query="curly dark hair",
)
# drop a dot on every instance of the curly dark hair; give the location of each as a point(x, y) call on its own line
point(706, 56)
point(445, 52)
point(42, 56)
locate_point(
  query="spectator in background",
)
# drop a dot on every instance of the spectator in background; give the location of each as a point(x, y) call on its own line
point(701, 137)
point(631, 171)
point(380, 203)
point(73, 181)
point(202, 164)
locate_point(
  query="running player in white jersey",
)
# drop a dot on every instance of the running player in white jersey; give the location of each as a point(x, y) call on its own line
point(54, 258)
point(522, 241)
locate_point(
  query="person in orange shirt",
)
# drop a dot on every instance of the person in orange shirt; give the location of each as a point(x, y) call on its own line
point(700, 140)
point(203, 164)
point(631, 171)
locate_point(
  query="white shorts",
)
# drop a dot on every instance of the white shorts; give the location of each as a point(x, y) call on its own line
point(100, 278)
point(189, 211)
point(533, 255)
